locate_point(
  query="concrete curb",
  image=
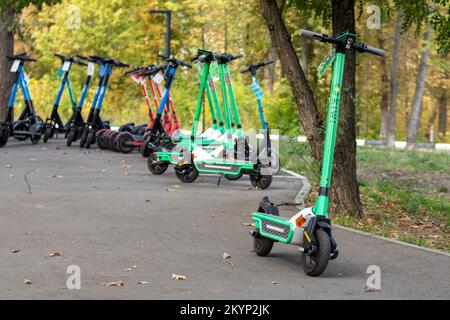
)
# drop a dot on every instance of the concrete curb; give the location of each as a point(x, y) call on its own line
point(392, 240)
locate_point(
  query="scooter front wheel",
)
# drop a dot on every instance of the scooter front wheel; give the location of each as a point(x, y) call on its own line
point(4, 136)
point(262, 246)
point(70, 138)
point(156, 166)
point(314, 264)
point(90, 140)
point(47, 134)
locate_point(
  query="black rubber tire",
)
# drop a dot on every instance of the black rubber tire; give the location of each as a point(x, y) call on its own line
point(90, 140)
point(233, 178)
point(4, 136)
point(155, 166)
point(262, 246)
point(70, 137)
point(315, 264)
point(261, 182)
point(124, 139)
point(47, 134)
point(35, 139)
point(145, 149)
point(189, 174)
point(83, 137)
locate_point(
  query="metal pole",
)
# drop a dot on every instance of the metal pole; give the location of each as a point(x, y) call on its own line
point(168, 15)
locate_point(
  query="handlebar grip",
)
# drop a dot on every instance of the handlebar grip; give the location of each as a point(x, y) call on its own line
point(311, 34)
point(376, 51)
point(268, 63)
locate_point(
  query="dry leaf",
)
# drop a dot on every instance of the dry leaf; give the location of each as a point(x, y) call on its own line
point(176, 186)
point(179, 277)
point(274, 282)
point(103, 170)
point(171, 190)
point(245, 224)
point(15, 251)
point(55, 254)
point(8, 166)
point(57, 176)
point(226, 256)
point(372, 289)
point(114, 284)
point(143, 282)
point(27, 281)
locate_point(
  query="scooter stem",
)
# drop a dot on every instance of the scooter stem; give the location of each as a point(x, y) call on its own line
point(321, 206)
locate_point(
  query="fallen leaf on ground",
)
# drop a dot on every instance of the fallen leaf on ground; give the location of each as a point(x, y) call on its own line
point(148, 200)
point(15, 251)
point(143, 282)
point(11, 176)
point(57, 176)
point(55, 254)
point(27, 281)
point(372, 289)
point(114, 284)
point(226, 256)
point(176, 186)
point(248, 224)
point(179, 277)
point(171, 190)
point(8, 166)
point(130, 269)
point(274, 282)
point(104, 170)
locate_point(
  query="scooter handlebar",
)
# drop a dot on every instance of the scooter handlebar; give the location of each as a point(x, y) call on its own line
point(362, 48)
point(312, 35)
point(22, 57)
point(255, 67)
point(175, 61)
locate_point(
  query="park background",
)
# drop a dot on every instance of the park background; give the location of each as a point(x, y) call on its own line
point(405, 193)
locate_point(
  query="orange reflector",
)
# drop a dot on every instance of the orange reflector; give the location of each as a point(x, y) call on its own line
point(300, 221)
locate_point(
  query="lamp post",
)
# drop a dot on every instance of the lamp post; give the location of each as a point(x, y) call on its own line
point(168, 14)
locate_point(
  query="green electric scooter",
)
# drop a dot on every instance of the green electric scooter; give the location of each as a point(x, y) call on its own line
point(310, 229)
point(230, 158)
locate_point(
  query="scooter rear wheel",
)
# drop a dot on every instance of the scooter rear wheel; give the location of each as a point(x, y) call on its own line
point(262, 246)
point(156, 166)
point(187, 174)
point(261, 182)
point(316, 263)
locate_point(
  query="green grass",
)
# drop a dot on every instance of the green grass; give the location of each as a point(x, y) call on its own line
point(404, 193)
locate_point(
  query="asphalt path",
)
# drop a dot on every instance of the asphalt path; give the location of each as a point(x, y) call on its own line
point(106, 214)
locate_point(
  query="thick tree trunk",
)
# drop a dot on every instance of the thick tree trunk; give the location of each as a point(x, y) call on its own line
point(6, 49)
point(392, 126)
point(344, 183)
point(416, 112)
point(311, 120)
point(384, 93)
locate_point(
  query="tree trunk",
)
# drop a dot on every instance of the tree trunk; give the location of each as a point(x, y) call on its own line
point(416, 112)
point(392, 126)
point(6, 49)
point(311, 121)
point(431, 122)
point(384, 93)
point(344, 184)
point(443, 99)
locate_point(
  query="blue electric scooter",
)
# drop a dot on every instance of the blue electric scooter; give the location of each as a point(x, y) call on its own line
point(76, 121)
point(267, 153)
point(54, 123)
point(94, 123)
point(29, 125)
